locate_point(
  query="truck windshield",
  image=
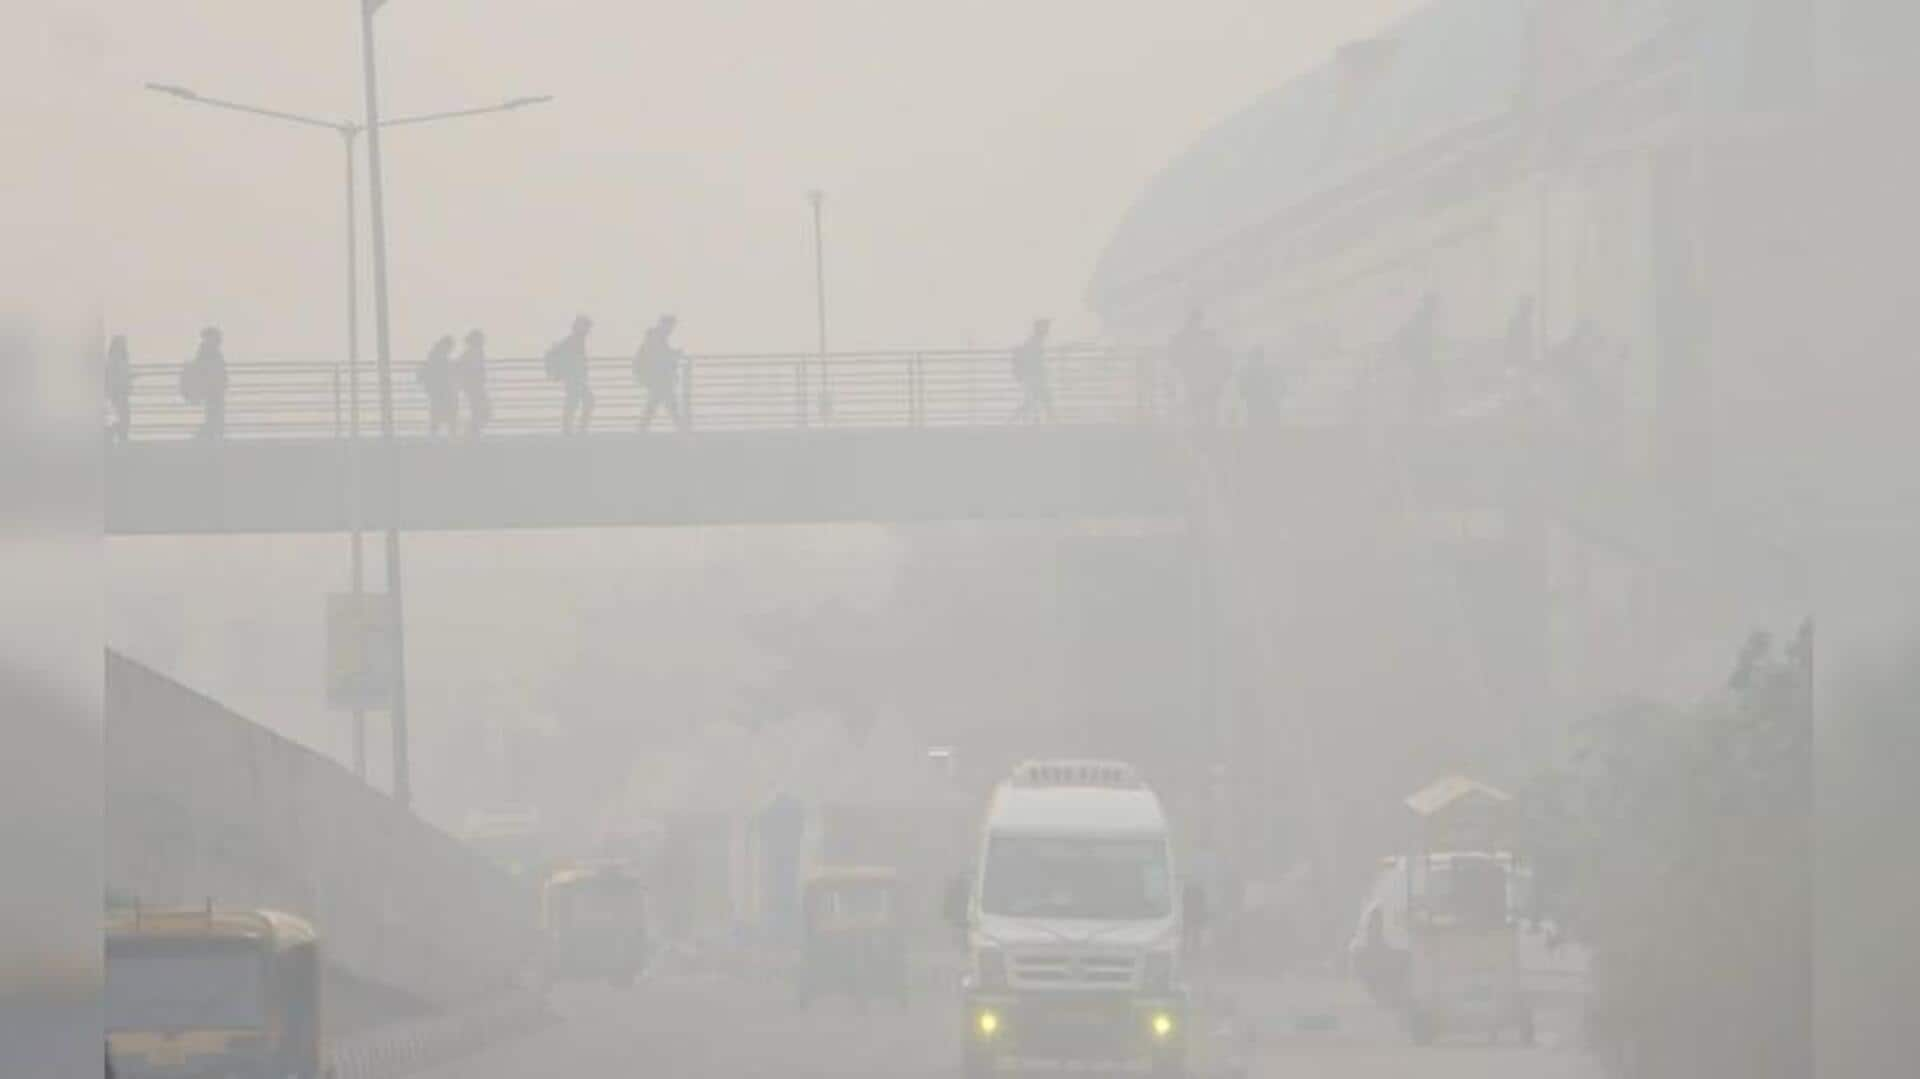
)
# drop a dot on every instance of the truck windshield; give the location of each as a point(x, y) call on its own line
point(1043, 877)
point(177, 985)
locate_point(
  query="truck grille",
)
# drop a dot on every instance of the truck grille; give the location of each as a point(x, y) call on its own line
point(1069, 970)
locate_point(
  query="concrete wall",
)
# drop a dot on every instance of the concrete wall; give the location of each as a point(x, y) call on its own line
point(203, 804)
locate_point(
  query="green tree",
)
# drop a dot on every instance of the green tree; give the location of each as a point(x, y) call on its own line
point(1678, 845)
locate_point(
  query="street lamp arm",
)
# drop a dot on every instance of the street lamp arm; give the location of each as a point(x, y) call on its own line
point(452, 114)
point(185, 94)
point(342, 127)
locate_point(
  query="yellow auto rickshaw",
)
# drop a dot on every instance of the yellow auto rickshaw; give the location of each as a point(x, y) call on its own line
point(197, 992)
point(852, 940)
point(595, 915)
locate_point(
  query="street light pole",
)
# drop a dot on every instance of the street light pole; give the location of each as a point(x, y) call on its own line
point(383, 359)
point(816, 197)
point(357, 541)
point(349, 132)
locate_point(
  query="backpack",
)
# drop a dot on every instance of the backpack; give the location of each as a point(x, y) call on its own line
point(553, 363)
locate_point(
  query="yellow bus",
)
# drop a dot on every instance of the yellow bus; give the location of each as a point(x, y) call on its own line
point(209, 992)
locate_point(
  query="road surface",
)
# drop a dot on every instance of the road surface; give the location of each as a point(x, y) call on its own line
point(693, 1028)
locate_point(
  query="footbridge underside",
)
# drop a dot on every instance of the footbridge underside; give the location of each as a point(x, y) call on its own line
point(716, 478)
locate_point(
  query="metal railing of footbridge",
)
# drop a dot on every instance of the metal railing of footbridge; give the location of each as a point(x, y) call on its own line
point(306, 399)
point(763, 391)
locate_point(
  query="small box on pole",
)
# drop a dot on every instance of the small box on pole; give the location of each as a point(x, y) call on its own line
point(360, 629)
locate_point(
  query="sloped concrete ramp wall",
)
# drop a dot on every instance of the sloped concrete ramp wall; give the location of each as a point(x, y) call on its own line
point(202, 804)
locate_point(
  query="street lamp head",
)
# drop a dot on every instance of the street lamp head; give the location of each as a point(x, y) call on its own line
point(523, 102)
point(176, 91)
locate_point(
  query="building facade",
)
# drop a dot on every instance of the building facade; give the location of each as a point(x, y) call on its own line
point(1583, 198)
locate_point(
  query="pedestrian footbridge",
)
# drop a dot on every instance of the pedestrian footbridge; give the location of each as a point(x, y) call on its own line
point(768, 438)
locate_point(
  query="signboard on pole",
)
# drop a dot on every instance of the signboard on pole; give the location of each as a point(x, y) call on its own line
point(360, 646)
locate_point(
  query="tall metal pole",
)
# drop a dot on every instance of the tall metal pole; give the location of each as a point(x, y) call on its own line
point(356, 511)
point(357, 540)
point(816, 196)
point(383, 357)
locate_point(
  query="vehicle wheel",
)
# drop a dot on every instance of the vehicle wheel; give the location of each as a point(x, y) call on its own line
point(1527, 1033)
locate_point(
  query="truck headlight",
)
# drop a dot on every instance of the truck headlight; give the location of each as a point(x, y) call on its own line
point(1157, 977)
point(987, 1023)
point(1162, 1025)
point(991, 964)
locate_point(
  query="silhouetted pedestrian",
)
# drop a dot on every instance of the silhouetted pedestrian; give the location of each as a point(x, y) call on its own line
point(1517, 347)
point(203, 381)
point(1414, 349)
point(567, 362)
point(1259, 391)
point(471, 370)
point(656, 366)
point(1030, 371)
point(1586, 365)
point(119, 388)
point(1204, 368)
point(443, 397)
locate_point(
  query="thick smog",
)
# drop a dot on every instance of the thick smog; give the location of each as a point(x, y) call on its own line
point(1365, 539)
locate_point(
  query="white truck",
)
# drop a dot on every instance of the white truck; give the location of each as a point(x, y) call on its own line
point(1074, 926)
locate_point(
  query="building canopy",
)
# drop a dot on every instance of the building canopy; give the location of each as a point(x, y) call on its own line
point(1448, 66)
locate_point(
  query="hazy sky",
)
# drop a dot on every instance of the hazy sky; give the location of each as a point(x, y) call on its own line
point(975, 157)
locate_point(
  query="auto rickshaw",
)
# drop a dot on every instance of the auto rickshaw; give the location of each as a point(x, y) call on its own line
point(196, 992)
point(852, 941)
point(595, 916)
point(1463, 970)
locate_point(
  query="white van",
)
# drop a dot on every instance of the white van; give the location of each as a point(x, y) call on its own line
point(1074, 925)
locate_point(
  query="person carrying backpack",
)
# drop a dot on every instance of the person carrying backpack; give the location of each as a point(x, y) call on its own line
point(1030, 371)
point(656, 366)
point(471, 368)
point(567, 363)
point(436, 379)
point(203, 381)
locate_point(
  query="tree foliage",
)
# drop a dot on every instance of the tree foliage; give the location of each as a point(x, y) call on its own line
point(1678, 845)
